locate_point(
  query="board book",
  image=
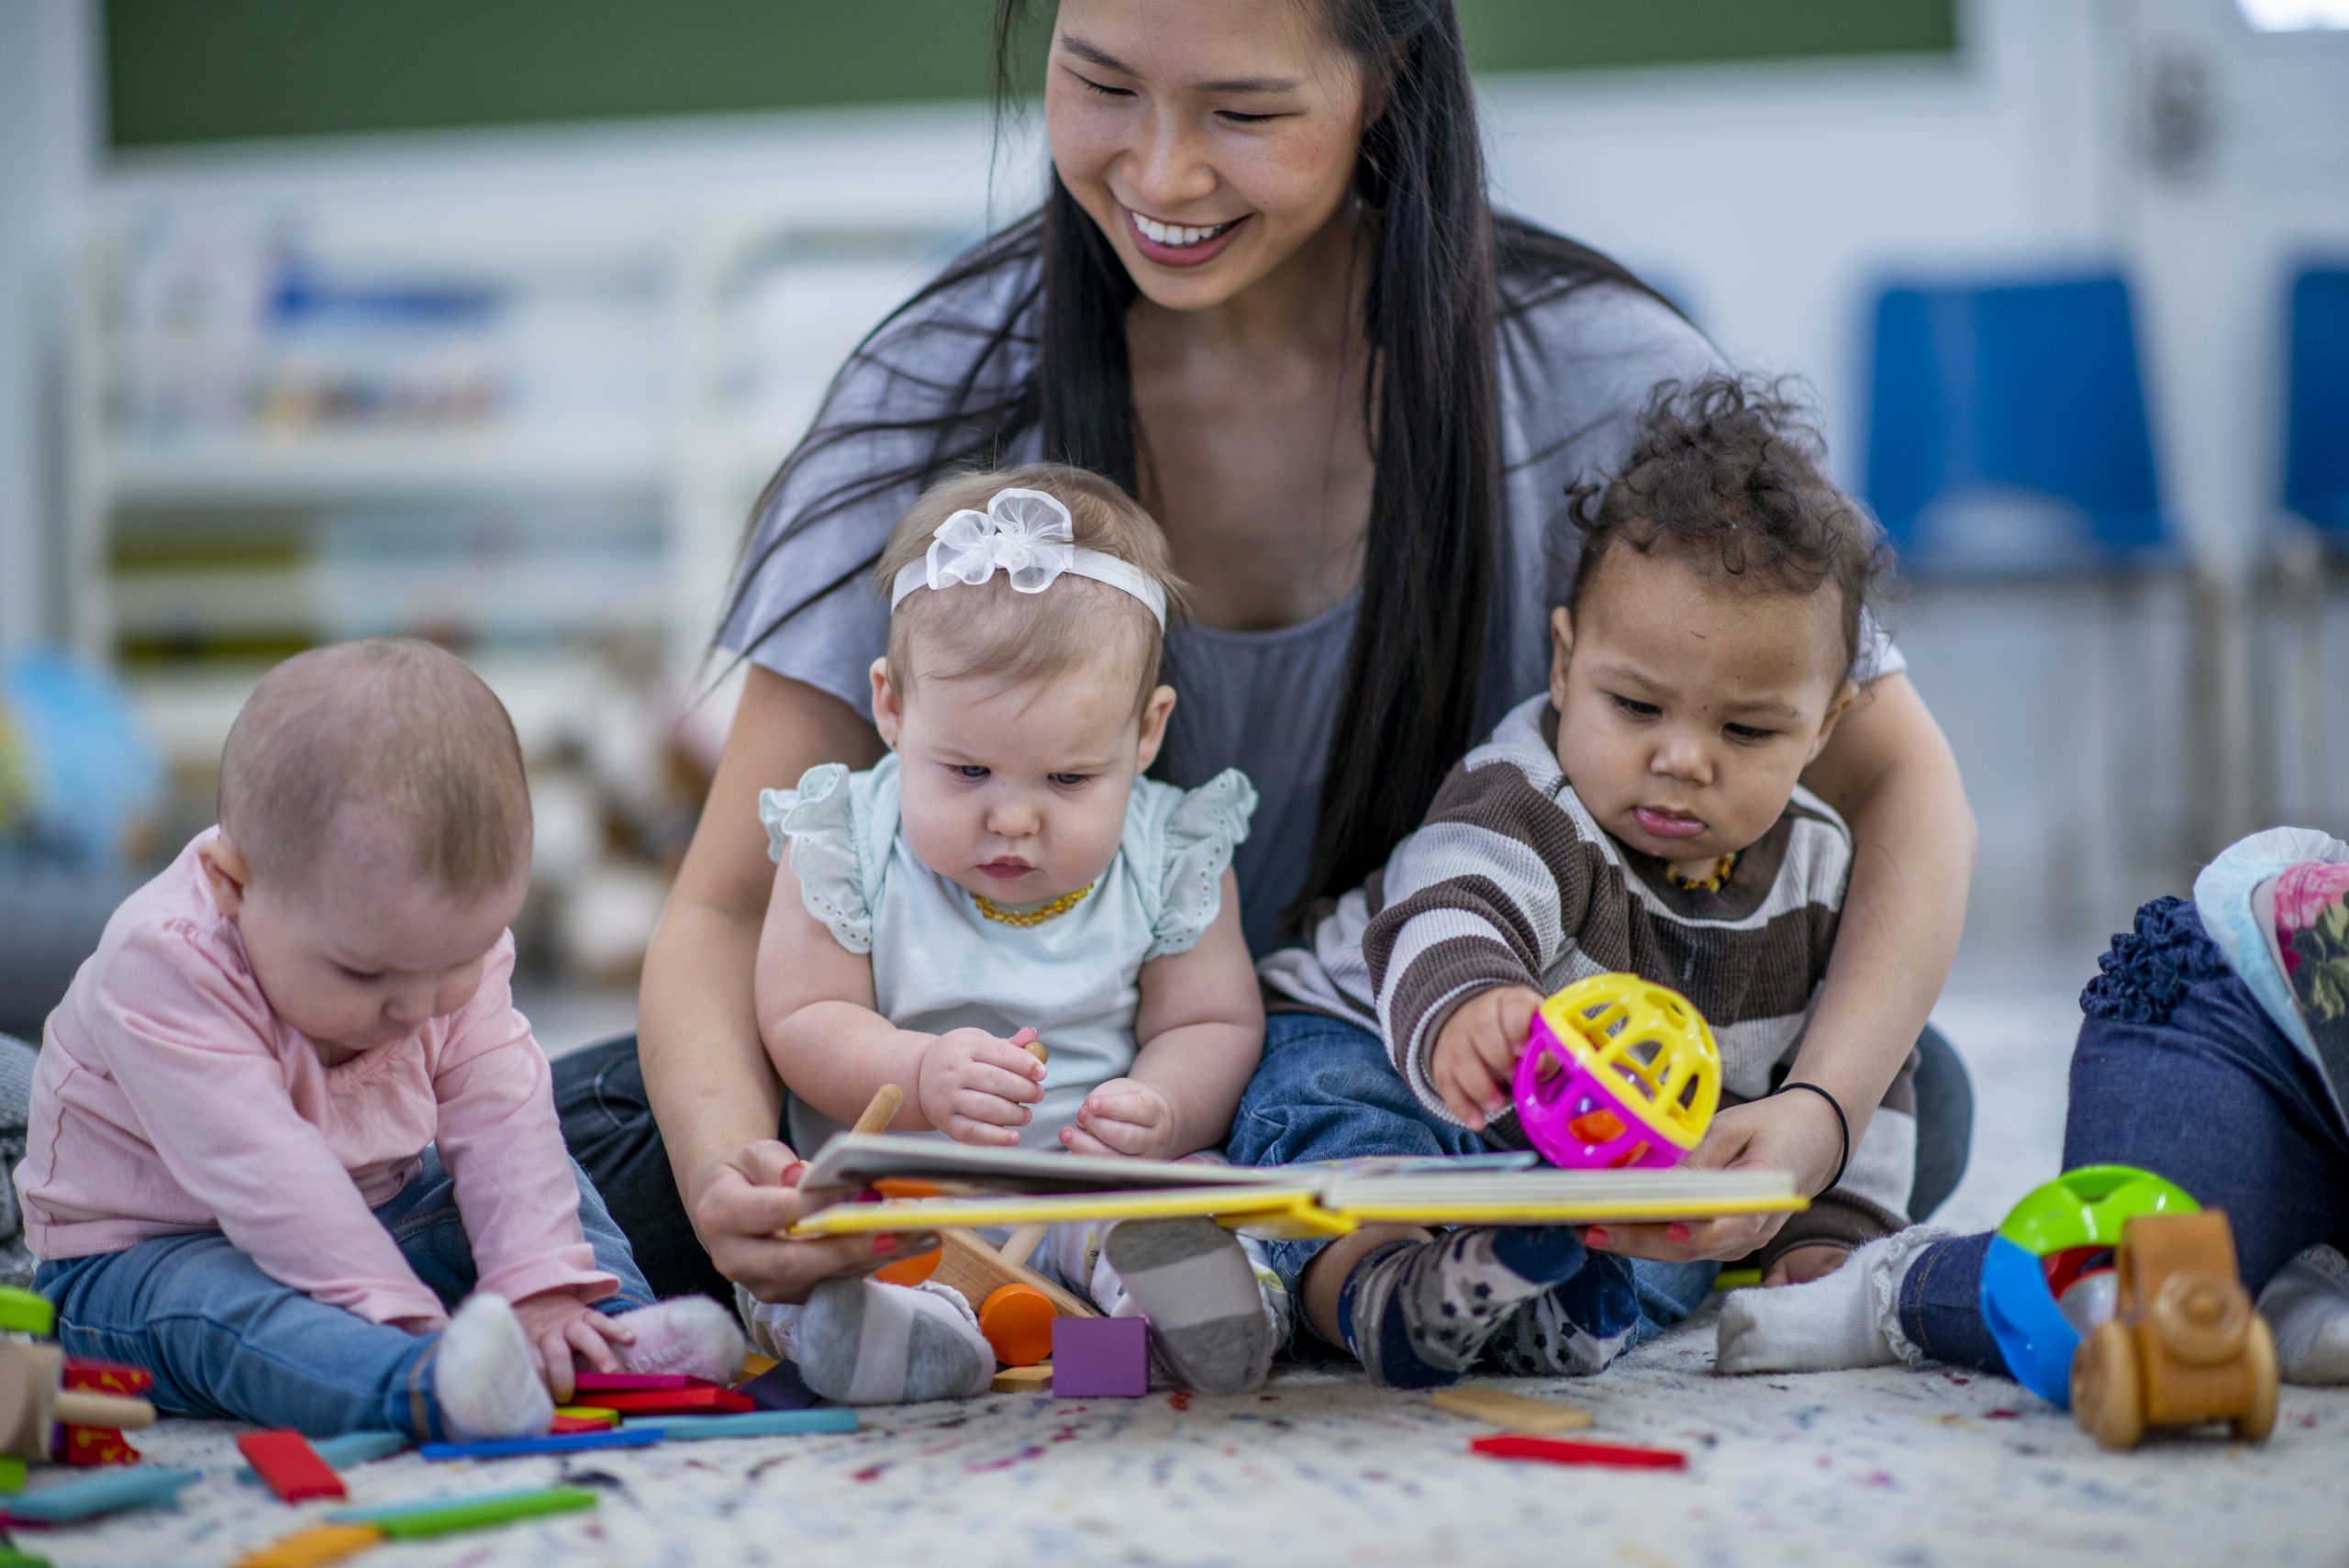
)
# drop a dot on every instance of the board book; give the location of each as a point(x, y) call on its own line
point(927, 1184)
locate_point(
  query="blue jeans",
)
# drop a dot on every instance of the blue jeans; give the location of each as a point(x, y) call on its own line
point(2180, 1072)
point(224, 1339)
point(1326, 1090)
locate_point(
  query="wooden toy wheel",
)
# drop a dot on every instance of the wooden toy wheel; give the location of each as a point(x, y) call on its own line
point(2259, 1371)
point(2107, 1399)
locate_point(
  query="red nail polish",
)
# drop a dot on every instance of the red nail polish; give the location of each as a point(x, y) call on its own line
point(790, 1177)
point(1676, 1233)
point(884, 1244)
point(1594, 1238)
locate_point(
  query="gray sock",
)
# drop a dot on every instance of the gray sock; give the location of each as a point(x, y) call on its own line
point(1417, 1314)
point(1207, 1313)
point(1572, 1329)
point(862, 1343)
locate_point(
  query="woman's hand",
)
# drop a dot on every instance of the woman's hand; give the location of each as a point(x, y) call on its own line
point(976, 1089)
point(1784, 1132)
point(1124, 1115)
point(1474, 1064)
point(742, 1202)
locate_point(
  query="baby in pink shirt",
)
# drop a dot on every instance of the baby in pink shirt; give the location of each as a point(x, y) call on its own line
point(287, 1117)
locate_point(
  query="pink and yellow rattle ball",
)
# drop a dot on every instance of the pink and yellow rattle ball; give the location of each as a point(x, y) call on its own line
point(1618, 1073)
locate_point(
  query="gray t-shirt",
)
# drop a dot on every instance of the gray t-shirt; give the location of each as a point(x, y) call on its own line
point(1575, 373)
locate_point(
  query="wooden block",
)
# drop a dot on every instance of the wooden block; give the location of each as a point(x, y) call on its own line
point(1100, 1358)
point(110, 1493)
point(779, 1387)
point(450, 1514)
point(1018, 1322)
point(704, 1401)
point(87, 1446)
point(1514, 1411)
point(513, 1448)
point(1037, 1379)
point(760, 1424)
point(106, 1377)
point(12, 1474)
point(594, 1413)
point(289, 1466)
point(566, 1425)
point(634, 1381)
point(313, 1548)
point(1565, 1450)
point(755, 1365)
point(975, 1269)
point(342, 1452)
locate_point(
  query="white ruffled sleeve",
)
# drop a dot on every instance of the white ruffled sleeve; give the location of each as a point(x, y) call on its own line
point(1201, 832)
point(817, 823)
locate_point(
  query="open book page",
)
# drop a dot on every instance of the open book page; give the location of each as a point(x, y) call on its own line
point(937, 1185)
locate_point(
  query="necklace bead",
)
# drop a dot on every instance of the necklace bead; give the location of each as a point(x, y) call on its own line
point(991, 910)
point(1713, 884)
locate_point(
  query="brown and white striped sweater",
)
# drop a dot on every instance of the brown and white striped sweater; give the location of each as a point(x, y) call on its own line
point(1512, 882)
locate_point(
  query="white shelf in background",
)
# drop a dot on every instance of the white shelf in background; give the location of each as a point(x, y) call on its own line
point(341, 467)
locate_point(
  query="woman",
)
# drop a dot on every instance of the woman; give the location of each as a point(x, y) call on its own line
point(1266, 293)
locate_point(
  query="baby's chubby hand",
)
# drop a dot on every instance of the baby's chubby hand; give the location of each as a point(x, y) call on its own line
point(560, 1326)
point(1124, 1115)
point(1477, 1050)
point(976, 1088)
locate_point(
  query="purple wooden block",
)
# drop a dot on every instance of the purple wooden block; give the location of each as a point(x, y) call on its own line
point(1100, 1358)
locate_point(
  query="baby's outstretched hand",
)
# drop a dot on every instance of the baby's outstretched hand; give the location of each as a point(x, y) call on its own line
point(976, 1089)
point(1124, 1115)
point(1477, 1050)
point(560, 1326)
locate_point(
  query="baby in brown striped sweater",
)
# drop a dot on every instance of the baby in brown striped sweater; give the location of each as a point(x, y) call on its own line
point(1644, 814)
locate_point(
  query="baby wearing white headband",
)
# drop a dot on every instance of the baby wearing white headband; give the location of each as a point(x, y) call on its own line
point(1008, 869)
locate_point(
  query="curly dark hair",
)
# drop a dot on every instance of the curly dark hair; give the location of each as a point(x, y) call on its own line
point(1726, 474)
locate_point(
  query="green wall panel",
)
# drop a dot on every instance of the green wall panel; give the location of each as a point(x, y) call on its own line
point(205, 71)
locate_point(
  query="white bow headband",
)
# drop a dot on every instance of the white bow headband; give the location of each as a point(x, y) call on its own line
point(1027, 534)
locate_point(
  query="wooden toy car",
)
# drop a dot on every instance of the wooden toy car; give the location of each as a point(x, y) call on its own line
point(2183, 1345)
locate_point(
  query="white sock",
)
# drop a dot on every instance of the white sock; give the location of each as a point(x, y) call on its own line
point(862, 1343)
point(2307, 1306)
point(484, 1376)
point(1847, 1318)
point(689, 1335)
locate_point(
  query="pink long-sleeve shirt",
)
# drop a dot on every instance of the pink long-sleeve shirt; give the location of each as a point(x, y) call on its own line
point(169, 1098)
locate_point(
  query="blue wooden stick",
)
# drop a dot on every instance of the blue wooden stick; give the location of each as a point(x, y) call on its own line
point(760, 1424)
point(131, 1488)
point(569, 1442)
point(342, 1452)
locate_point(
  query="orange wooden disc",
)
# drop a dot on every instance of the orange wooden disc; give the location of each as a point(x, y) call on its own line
point(912, 1271)
point(1017, 1321)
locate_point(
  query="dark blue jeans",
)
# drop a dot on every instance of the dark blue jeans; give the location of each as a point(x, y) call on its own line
point(2178, 1071)
point(1326, 1090)
point(224, 1339)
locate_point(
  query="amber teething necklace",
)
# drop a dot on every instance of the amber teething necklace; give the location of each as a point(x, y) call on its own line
point(1024, 918)
point(1721, 868)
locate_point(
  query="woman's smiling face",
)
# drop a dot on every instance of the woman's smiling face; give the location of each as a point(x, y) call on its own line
point(1209, 139)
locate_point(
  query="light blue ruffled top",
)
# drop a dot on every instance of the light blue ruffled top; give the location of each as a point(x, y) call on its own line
point(939, 964)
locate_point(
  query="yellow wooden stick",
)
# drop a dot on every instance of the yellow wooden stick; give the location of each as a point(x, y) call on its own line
point(1514, 1411)
point(313, 1548)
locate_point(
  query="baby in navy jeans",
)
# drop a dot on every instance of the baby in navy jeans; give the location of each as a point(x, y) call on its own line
point(287, 1117)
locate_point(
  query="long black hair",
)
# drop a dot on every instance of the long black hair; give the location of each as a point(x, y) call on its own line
point(1445, 274)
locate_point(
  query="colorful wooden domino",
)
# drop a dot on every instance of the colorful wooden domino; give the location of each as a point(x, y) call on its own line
point(1565, 1451)
point(1100, 1358)
point(342, 1452)
point(708, 1399)
point(313, 1548)
point(573, 1442)
point(758, 1424)
point(444, 1516)
point(107, 1492)
point(289, 1466)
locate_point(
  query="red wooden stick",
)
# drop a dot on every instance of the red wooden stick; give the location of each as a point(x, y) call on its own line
point(1565, 1450)
point(668, 1401)
point(290, 1466)
point(632, 1382)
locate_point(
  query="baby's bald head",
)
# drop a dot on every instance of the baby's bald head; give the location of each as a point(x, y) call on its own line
point(396, 730)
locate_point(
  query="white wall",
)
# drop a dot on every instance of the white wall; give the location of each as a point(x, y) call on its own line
point(44, 155)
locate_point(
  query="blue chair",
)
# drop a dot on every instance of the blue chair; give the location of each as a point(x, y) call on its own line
point(2009, 443)
point(2316, 423)
point(2007, 431)
point(2316, 492)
